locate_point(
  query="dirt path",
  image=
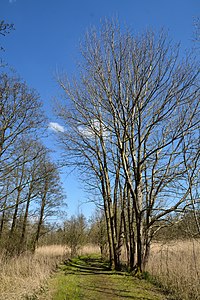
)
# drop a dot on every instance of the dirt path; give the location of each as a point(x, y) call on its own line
point(89, 278)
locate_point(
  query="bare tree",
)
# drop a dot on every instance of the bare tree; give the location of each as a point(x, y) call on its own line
point(50, 195)
point(20, 111)
point(97, 231)
point(130, 117)
point(75, 233)
point(36, 156)
point(20, 115)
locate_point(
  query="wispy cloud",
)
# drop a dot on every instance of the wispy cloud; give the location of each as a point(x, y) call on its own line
point(12, 1)
point(56, 127)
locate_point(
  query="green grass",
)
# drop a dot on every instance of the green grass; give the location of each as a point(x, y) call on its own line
point(87, 277)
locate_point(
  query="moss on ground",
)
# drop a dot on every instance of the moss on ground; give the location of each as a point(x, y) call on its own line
point(88, 277)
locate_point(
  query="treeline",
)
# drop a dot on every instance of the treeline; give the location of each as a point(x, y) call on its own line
point(30, 189)
point(77, 232)
point(180, 227)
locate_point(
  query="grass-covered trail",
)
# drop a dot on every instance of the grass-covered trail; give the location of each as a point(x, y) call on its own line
point(88, 278)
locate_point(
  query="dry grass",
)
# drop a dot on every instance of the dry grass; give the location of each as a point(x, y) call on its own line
point(89, 249)
point(22, 276)
point(52, 251)
point(176, 265)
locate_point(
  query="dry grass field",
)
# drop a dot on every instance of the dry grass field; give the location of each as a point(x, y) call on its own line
point(176, 265)
point(22, 276)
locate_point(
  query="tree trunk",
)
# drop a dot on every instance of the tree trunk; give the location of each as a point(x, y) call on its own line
point(126, 242)
point(109, 235)
point(2, 223)
point(2, 138)
point(40, 222)
point(23, 234)
point(139, 246)
point(130, 215)
point(3, 216)
point(146, 254)
point(120, 238)
point(14, 219)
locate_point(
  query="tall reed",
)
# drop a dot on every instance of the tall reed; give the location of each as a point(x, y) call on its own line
point(176, 265)
point(24, 275)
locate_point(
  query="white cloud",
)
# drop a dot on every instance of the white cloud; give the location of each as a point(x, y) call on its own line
point(87, 132)
point(94, 128)
point(56, 127)
point(12, 1)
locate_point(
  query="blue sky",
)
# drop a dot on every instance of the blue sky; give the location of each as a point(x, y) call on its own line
point(47, 35)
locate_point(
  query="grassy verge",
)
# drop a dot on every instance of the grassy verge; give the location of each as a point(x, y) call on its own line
point(87, 277)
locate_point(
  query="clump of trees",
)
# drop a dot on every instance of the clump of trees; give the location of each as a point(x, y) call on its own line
point(30, 188)
point(29, 180)
point(75, 233)
point(97, 232)
point(182, 226)
point(132, 129)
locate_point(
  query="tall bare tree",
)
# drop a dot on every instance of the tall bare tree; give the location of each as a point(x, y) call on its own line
point(132, 123)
